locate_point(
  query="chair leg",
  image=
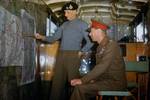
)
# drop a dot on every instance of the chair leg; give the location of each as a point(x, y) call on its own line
point(108, 98)
point(120, 98)
point(98, 97)
point(115, 98)
point(129, 98)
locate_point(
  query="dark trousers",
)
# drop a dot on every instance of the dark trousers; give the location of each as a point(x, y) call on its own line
point(89, 90)
point(67, 68)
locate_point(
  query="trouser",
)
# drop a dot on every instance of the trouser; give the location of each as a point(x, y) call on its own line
point(84, 92)
point(89, 90)
point(67, 68)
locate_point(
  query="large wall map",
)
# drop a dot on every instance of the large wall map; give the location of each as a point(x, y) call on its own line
point(11, 41)
point(28, 30)
point(17, 47)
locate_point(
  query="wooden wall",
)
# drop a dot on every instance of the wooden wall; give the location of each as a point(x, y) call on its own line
point(48, 53)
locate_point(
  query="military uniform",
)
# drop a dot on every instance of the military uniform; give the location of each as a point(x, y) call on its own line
point(71, 33)
point(108, 74)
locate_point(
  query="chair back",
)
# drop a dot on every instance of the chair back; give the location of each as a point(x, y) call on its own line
point(137, 66)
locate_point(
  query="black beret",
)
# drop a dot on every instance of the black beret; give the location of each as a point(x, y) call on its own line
point(70, 6)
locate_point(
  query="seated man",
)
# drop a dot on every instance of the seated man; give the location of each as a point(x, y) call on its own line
point(109, 71)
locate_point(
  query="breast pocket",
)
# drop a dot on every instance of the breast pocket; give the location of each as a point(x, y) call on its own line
point(99, 56)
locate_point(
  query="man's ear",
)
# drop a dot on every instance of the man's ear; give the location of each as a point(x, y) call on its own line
point(77, 11)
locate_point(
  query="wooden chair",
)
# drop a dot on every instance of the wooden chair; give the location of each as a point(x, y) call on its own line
point(141, 68)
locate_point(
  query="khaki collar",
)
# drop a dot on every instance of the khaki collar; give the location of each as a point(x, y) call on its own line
point(105, 41)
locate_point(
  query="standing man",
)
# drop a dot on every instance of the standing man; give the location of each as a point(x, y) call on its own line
point(109, 71)
point(71, 33)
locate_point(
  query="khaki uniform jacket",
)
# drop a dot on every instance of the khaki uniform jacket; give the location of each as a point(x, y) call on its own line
point(109, 72)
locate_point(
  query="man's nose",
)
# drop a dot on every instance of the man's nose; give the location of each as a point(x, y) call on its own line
point(90, 34)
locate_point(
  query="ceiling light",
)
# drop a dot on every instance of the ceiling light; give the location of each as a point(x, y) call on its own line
point(130, 1)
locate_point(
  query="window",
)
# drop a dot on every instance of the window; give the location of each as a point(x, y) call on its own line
point(51, 27)
point(140, 33)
